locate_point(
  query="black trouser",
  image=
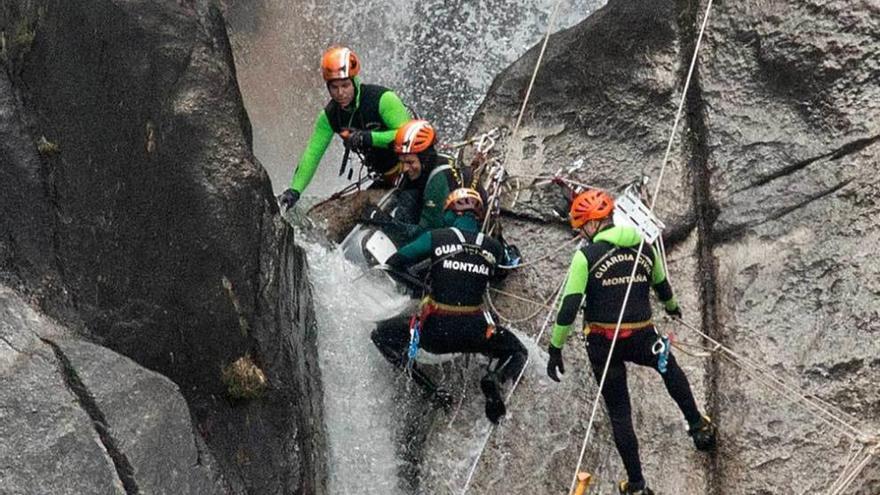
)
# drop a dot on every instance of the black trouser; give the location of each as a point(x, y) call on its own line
point(445, 334)
point(635, 349)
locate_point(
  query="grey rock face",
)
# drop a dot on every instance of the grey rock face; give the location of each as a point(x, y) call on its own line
point(770, 197)
point(79, 418)
point(135, 211)
point(47, 442)
point(790, 93)
point(148, 420)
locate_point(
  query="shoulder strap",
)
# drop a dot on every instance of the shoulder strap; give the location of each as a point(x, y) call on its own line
point(601, 258)
point(437, 170)
point(458, 234)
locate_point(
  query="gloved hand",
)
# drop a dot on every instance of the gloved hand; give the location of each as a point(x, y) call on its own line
point(674, 312)
point(373, 215)
point(555, 363)
point(360, 140)
point(288, 198)
point(511, 252)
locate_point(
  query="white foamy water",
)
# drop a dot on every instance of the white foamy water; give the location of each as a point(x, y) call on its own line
point(358, 382)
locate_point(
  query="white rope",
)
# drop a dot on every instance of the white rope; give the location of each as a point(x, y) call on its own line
point(517, 320)
point(848, 480)
point(522, 109)
point(522, 371)
point(607, 366)
point(550, 254)
point(771, 380)
point(641, 244)
point(687, 84)
point(542, 305)
point(547, 179)
point(851, 461)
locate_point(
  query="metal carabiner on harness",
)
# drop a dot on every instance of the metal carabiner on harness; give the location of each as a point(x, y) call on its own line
point(490, 324)
point(661, 350)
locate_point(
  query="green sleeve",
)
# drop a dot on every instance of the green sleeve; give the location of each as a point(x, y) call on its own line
point(434, 197)
point(311, 157)
point(394, 114)
point(659, 282)
point(418, 249)
point(573, 294)
point(658, 274)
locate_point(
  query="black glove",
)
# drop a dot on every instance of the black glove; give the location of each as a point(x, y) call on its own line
point(360, 140)
point(511, 252)
point(675, 312)
point(373, 215)
point(288, 198)
point(555, 363)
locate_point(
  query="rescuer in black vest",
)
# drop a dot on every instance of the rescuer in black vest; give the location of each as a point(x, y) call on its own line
point(427, 177)
point(366, 116)
point(599, 275)
point(452, 317)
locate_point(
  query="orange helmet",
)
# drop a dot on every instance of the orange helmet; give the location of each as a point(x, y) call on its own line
point(339, 62)
point(592, 204)
point(465, 199)
point(414, 137)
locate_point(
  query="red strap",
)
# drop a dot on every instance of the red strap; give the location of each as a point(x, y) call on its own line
point(608, 333)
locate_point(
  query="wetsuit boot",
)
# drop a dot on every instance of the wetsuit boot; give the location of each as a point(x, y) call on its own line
point(439, 396)
point(627, 488)
point(495, 408)
point(704, 434)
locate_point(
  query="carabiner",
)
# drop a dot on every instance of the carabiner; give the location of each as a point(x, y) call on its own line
point(661, 350)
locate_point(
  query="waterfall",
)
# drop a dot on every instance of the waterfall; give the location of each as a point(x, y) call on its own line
point(358, 382)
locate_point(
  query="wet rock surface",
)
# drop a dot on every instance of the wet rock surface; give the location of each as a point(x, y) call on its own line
point(135, 212)
point(79, 418)
point(770, 201)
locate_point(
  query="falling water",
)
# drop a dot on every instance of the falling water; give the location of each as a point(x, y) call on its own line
point(358, 383)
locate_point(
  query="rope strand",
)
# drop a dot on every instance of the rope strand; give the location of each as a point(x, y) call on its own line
point(642, 243)
point(522, 371)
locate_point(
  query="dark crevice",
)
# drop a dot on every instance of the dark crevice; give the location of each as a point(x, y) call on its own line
point(727, 235)
point(678, 233)
point(705, 214)
point(12, 346)
point(529, 217)
point(854, 147)
point(87, 402)
point(846, 149)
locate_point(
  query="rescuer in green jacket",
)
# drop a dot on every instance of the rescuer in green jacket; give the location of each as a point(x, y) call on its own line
point(599, 275)
point(366, 116)
point(427, 178)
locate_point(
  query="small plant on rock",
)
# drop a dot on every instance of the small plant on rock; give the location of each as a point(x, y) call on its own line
point(244, 379)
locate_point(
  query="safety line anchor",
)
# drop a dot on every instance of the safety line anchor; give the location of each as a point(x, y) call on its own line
point(583, 483)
